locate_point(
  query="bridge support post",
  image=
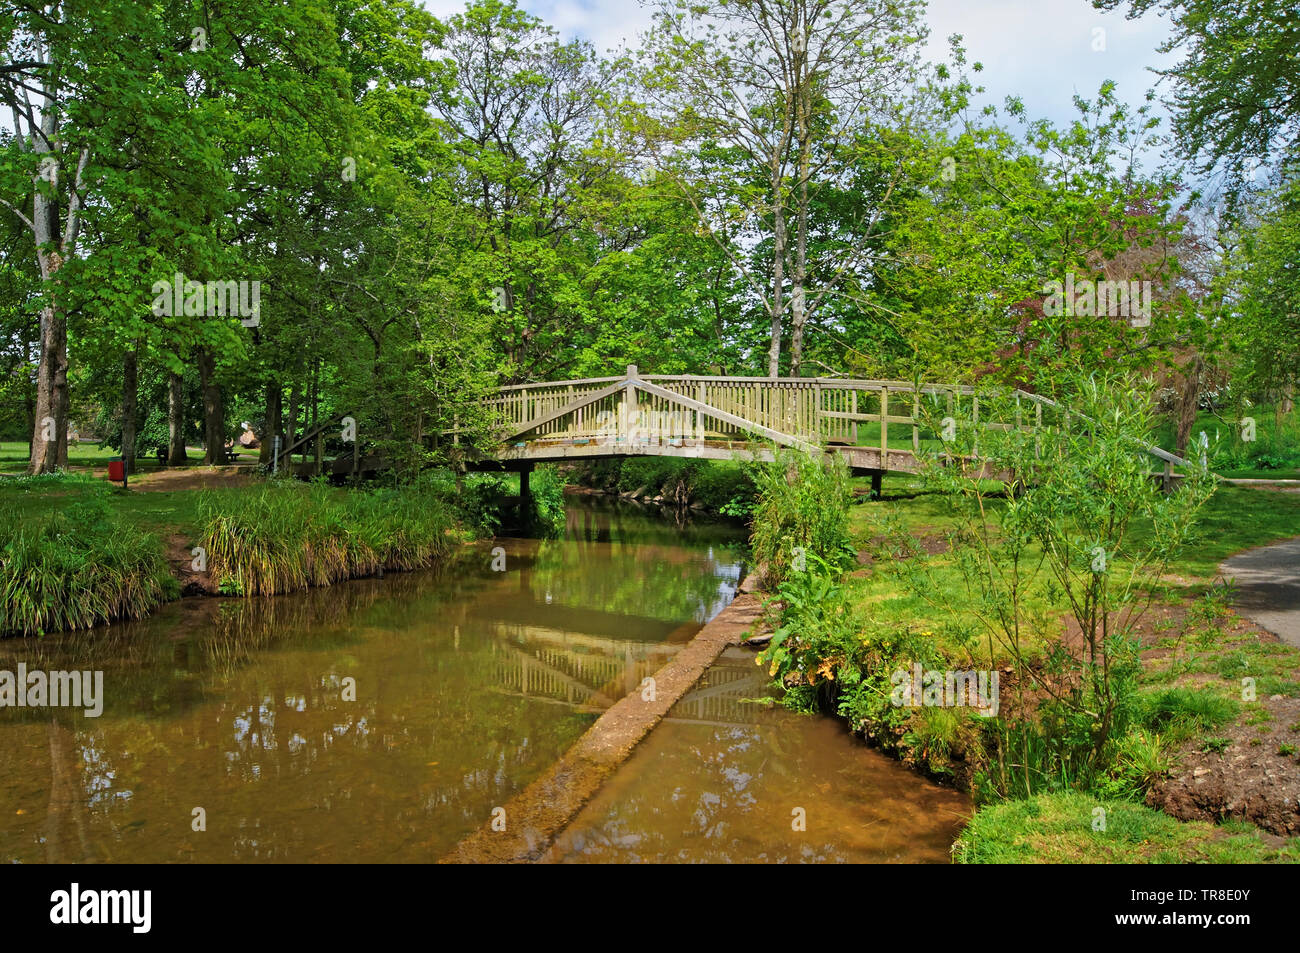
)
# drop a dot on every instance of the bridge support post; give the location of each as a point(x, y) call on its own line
point(877, 483)
point(525, 497)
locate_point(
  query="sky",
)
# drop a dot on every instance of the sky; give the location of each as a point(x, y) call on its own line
point(1040, 50)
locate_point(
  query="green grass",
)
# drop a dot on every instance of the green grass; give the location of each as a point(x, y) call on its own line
point(280, 537)
point(157, 512)
point(88, 454)
point(77, 566)
point(76, 550)
point(1059, 829)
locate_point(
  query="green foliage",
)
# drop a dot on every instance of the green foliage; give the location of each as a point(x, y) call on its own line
point(547, 489)
point(801, 511)
point(1200, 709)
point(78, 567)
point(1073, 512)
point(1073, 828)
point(282, 537)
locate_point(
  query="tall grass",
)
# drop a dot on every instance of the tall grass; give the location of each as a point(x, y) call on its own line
point(280, 538)
point(78, 567)
point(801, 510)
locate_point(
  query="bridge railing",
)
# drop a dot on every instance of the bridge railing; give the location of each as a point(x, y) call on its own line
point(897, 417)
point(699, 408)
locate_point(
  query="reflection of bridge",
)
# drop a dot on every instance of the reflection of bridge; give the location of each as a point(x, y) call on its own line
point(590, 674)
point(876, 426)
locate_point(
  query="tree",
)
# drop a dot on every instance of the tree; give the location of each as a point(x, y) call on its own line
point(783, 88)
point(1236, 94)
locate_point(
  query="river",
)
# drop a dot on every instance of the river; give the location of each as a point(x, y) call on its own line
point(384, 719)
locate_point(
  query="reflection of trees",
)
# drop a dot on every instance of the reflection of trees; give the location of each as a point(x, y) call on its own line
point(629, 576)
point(236, 706)
point(64, 810)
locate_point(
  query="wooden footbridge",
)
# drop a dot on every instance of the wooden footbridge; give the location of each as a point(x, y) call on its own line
point(877, 426)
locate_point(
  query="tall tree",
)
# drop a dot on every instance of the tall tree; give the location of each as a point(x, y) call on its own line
point(786, 86)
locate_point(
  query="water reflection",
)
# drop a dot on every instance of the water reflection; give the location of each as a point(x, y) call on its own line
point(468, 684)
point(721, 779)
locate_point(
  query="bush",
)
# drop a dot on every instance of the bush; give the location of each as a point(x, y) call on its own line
point(801, 510)
point(546, 487)
point(1073, 511)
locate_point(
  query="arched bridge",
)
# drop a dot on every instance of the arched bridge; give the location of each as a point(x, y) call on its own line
point(877, 426)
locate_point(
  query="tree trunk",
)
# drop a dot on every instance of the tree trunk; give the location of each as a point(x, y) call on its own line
point(29, 407)
point(175, 419)
point(214, 416)
point(1187, 403)
point(274, 399)
point(130, 393)
point(778, 277)
point(50, 428)
point(799, 276)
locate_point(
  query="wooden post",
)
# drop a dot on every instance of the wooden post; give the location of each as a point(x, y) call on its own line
point(884, 429)
point(699, 415)
point(1038, 430)
point(853, 409)
point(916, 431)
point(525, 497)
point(629, 405)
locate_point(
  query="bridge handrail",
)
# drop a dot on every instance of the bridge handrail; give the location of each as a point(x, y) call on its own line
point(799, 423)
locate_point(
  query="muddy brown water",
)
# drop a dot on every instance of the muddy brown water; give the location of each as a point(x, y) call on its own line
point(469, 683)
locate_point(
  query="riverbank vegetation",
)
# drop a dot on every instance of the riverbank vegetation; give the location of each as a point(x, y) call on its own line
point(281, 538)
point(77, 565)
point(77, 551)
point(1087, 591)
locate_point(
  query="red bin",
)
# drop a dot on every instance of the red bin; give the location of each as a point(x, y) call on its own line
point(116, 471)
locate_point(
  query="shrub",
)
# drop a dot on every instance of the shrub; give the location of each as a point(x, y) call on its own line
point(801, 510)
point(1071, 510)
point(282, 537)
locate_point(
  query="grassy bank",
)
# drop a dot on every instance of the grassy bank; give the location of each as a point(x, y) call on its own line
point(1072, 828)
point(76, 563)
point(951, 582)
point(279, 538)
point(77, 552)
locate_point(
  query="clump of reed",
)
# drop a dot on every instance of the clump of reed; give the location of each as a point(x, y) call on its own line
point(280, 538)
point(77, 568)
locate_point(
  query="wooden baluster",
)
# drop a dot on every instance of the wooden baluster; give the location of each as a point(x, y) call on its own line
point(884, 428)
point(916, 430)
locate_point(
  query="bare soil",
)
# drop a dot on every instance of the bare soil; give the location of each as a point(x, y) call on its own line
point(188, 478)
point(1250, 779)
